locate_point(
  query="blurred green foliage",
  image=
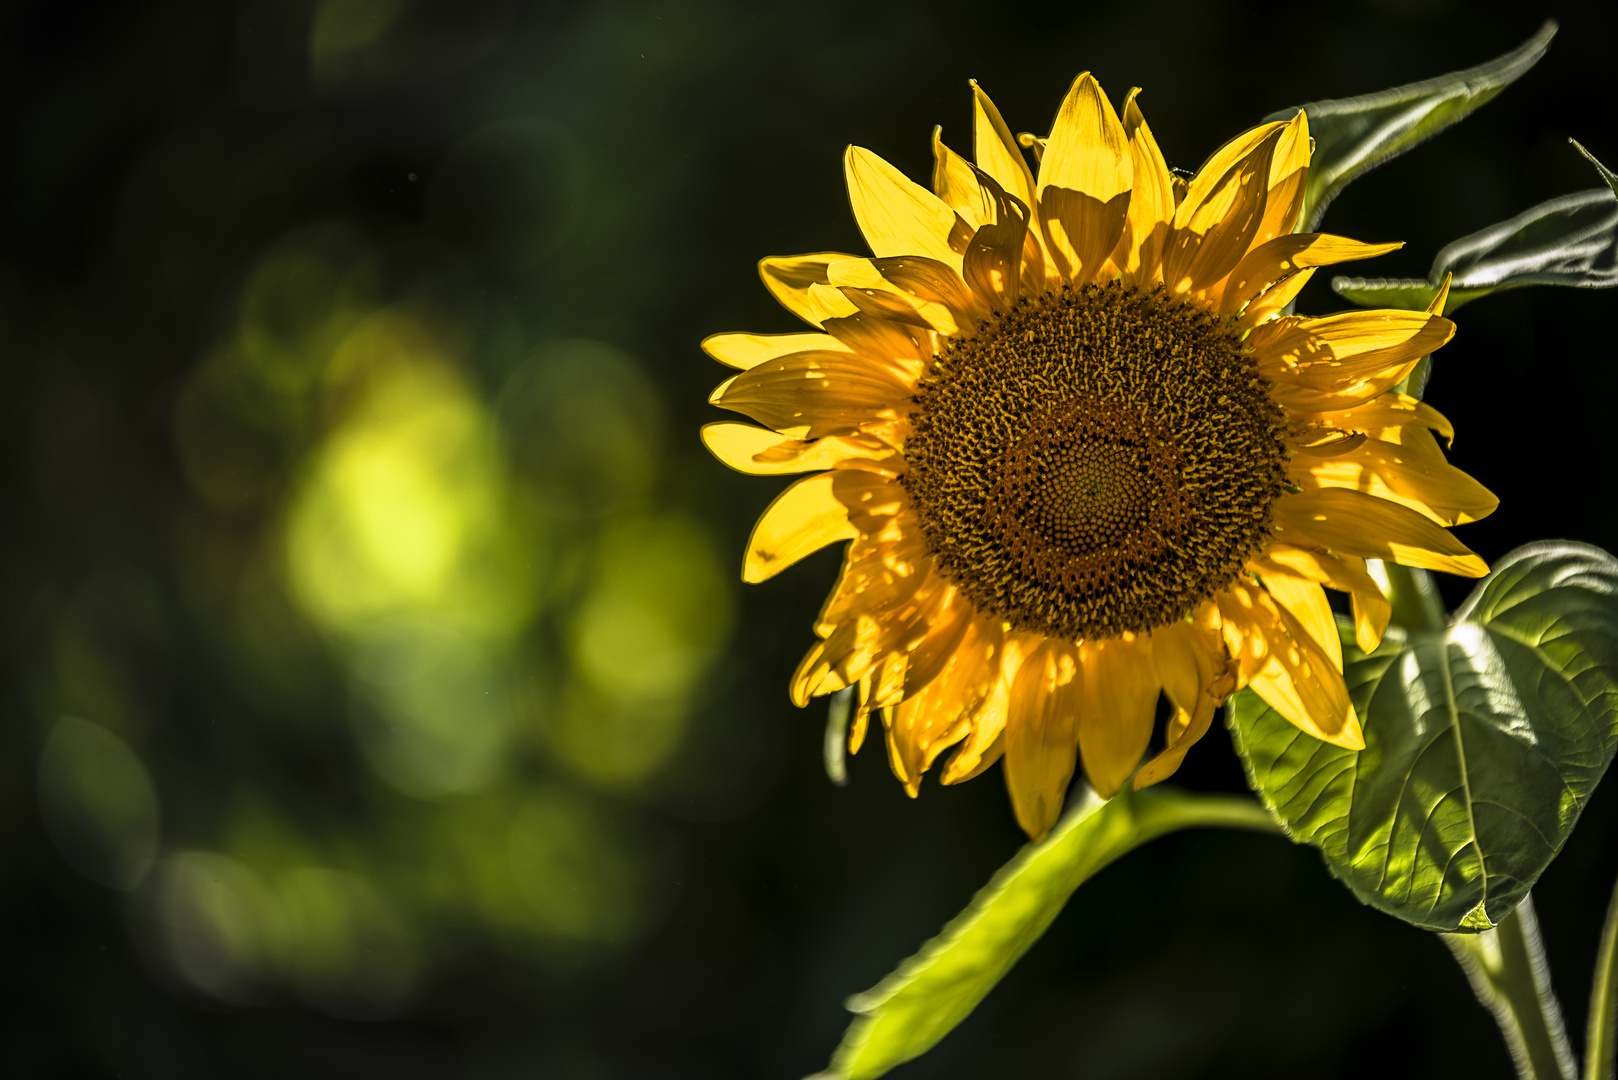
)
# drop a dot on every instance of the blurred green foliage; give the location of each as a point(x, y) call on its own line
point(381, 697)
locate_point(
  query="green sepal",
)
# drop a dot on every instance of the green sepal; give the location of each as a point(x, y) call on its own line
point(1483, 742)
point(924, 998)
point(1354, 135)
point(834, 747)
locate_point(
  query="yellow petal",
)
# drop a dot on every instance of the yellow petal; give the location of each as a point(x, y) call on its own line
point(910, 289)
point(878, 574)
point(1119, 692)
point(822, 669)
point(1186, 657)
point(873, 500)
point(913, 742)
point(970, 670)
point(1273, 300)
point(1386, 417)
point(827, 302)
point(893, 636)
point(906, 347)
point(812, 394)
point(883, 687)
point(1218, 222)
point(897, 215)
point(997, 153)
point(872, 649)
point(993, 262)
point(1345, 573)
point(1294, 675)
point(750, 350)
point(1000, 157)
point(929, 281)
point(937, 650)
point(762, 452)
point(1343, 358)
point(1268, 263)
point(1042, 734)
point(1289, 170)
point(788, 278)
point(1085, 179)
point(1413, 475)
point(986, 743)
point(803, 519)
point(885, 302)
point(1221, 160)
point(1308, 605)
point(1372, 528)
point(954, 182)
point(1151, 201)
point(1190, 662)
point(941, 714)
point(968, 762)
point(857, 728)
point(1441, 299)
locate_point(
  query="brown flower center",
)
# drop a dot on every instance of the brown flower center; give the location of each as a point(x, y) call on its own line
point(1098, 460)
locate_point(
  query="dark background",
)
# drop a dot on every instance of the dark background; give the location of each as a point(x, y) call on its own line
point(286, 286)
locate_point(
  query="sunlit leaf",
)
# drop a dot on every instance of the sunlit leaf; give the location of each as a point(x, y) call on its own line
point(1483, 744)
point(1354, 135)
point(1571, 240)
point(1606, 174)
point(927, 995)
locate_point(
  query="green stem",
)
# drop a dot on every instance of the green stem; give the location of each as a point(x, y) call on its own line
point(1507, 969)
point(927, 995)
point(1416, 603)
point(1599, 1040)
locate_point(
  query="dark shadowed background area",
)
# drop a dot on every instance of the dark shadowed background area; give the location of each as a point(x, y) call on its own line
point(381, 698)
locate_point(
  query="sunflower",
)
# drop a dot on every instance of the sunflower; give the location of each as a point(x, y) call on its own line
point(1082, 457)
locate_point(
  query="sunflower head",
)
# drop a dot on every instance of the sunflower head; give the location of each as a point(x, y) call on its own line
point(1084, 462)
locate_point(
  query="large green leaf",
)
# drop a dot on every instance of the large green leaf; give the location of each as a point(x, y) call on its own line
point(1483, 743)
point(930, 993)
point(1571, 241)
point(1354, 135)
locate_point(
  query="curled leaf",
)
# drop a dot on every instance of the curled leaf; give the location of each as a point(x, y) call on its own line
point(1354, 135)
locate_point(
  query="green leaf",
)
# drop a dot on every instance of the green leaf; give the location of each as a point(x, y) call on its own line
point(1606, 174)
point(1571, 241)
point(1406, 294)
point(927, 995)
point(1354, 135)
point(1483, 743)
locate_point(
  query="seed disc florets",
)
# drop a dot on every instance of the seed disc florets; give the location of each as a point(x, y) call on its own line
point(1097, 460)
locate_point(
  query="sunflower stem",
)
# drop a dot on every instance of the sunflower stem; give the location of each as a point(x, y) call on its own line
point(1507, 969)
point(1416, 603)
point(1600, 1059)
